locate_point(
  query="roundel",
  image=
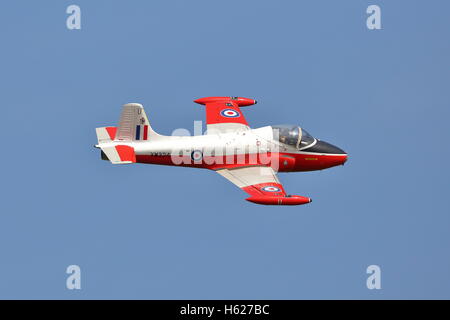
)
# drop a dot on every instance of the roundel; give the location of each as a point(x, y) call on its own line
point(271, 189)
point(230, 113)
point(196, 155)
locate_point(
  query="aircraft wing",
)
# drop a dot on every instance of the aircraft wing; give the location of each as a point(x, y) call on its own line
point(262, 184)
point(223, 114)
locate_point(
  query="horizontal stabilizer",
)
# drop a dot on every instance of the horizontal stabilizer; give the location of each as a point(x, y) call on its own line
point(105, 134)
point(119, 154)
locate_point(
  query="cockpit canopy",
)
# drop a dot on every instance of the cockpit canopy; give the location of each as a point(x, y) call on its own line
point(293, 136)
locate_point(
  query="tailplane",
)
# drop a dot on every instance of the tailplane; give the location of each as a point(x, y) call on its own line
point(119, 154)
point(105, 134)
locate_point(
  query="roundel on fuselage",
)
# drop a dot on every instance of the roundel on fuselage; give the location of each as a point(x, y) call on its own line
point(196, 155)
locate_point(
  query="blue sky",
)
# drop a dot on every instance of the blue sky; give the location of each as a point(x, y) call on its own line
point(153, 232)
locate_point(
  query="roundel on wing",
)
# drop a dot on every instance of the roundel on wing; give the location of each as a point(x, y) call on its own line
point(196, 155)
point(270, 189)
point(230, 113)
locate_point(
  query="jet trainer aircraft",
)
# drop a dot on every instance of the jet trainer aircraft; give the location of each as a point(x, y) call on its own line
point(249, 158)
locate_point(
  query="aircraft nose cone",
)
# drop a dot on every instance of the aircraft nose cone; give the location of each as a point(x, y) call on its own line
point(325, 147)
point(344, 160)
point(335, 156)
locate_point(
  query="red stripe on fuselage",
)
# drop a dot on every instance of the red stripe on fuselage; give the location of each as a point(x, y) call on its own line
point(283, 162)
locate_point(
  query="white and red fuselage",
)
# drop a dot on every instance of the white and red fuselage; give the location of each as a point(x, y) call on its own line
point(231, 150)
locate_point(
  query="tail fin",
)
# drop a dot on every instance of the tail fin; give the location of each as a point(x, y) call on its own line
point(134, 125)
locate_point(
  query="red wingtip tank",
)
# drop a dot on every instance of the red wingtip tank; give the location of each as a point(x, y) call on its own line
point(240, 101)
point(289, 200)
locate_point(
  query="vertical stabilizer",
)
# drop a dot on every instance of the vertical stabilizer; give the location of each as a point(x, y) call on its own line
point(134, 124)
